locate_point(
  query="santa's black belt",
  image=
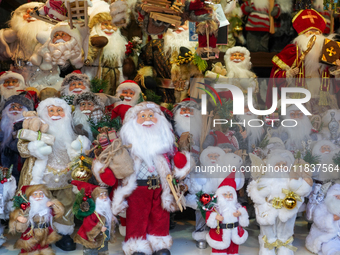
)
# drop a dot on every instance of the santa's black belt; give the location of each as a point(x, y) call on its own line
point(229, 225)
point(41, 225)
point(152, 182)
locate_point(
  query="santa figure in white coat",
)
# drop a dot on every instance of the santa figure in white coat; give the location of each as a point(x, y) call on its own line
point(226, 220)
point(323, 239)
point(277, 195)
point(146, 195)
point(11, 83)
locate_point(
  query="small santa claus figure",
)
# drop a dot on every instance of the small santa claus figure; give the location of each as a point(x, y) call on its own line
point(323, 238)
point(11, 83)
point(34, 219)
point(302, 132)
point(226, 220)
point(129, 92)
point(12, 114)
point(7, 191)
point(63, 47)
point(149, 132)
point(97, 228)
point(75, 83)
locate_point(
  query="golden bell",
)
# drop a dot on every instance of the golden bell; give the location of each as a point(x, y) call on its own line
point(81, 173)
point(289, 202)
point(238, 28)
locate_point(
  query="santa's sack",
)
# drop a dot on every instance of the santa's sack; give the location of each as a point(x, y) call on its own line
point(117, 158)
point(31, 136)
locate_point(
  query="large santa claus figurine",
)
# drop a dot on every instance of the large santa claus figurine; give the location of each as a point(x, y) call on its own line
point(149, 132)
point(110, 56)
point(65, 46)
point(226, 220)
point(49, 164)
point(277, 192)
point(75, 83)
point(302, 132)
point(12, 114)
point(11, 83)
point(34, 218)
point(19, 41)
point(323, 238)
point(298, 64)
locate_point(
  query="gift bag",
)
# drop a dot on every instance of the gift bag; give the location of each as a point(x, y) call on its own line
point(117, 158)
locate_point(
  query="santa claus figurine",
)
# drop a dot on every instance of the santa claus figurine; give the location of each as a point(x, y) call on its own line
point(149, 132)
point(54, 9)
point(12, 115)
point(293, 137)
point(11, 83)
point(88, 107)
point(64, 46)
point(277, 192)
point(226, 220)
point(50, 164)
point(106, 49)
point(98, 227)
point(19, 41)
point(7, 191)
point(33, 216)
point(301, 60)
point(75, 83)
point(323, 238)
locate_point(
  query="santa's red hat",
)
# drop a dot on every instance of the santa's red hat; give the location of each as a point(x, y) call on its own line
point(309, 19)
point(94, 190)
point(9, 74)
point(227, 185)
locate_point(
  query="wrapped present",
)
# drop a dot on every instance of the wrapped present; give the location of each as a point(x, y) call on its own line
point(30, 135)
point(330, 52)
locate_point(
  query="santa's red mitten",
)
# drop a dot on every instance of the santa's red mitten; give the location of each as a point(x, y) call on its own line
point(108, 177)
point(182, 162)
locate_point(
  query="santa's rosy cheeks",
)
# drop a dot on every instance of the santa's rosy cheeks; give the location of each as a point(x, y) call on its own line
point(55, 112)
point(108, 28)
point(128, 94)
point(146, 118)
point(11, 83)
point(76, 87)
point(86, 106)
point(15, 108)
point(186, 111)
point(237, 57)
point(28, 17)
point(61, 36)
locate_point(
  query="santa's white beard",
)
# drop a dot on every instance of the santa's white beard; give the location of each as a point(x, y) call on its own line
point(81, 118)
point(333, 204)
point(192, 124)
point(254, 134)
point(239, 70)
point(133, 101)
point(148, 142)
point(103, 208)
point(6, 93)
point(7, 123)
point(226, 209)
point(261, 4)
point(63, 139)
point(67, 92)
point(27, 32)
point(173, 41)
point(297, 134)
point(61, 52)
point(115, 49)
point(39, 207)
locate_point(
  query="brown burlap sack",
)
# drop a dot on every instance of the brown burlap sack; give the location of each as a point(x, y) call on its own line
point(185, 142)
point(117, 158)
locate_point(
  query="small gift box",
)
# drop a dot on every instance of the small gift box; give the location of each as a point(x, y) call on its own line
point(30, 135)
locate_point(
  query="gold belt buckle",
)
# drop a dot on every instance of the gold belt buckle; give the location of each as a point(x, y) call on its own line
point(153, 182)
point(277, 203)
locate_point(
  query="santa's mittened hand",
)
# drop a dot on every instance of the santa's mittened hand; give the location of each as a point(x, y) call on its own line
point(180, 160)
point(76, 145)
point(45, 150)
point(275, 11)
point(39, 149)
point(108, 177)
point(249, 9)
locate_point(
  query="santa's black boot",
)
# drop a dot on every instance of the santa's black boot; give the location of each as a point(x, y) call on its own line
point(138, 253)
point(66, 243)
point(162, 252)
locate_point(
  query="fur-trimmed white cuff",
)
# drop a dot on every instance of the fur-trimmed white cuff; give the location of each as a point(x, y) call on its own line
point(300, 187)
point(64, 229)
point(244, 218)
point(136, 244)
point(254, 193)
point(122, 230)
point(96, 168)
point(181, 173)
point(198, 236)
point(212, 222)
point(159, 242)
point(39, 149)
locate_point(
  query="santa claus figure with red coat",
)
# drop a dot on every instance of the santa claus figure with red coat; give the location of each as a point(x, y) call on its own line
point(146, 194)
point(226, 220)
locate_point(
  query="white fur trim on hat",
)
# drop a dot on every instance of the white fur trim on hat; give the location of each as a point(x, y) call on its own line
point(224, 189)
point(10, 74)
point(210, 150)
point(64, 27)
point(100, 7)
point(280, 155)
point(133, 111)
point(53, 101)
point(240, 49)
